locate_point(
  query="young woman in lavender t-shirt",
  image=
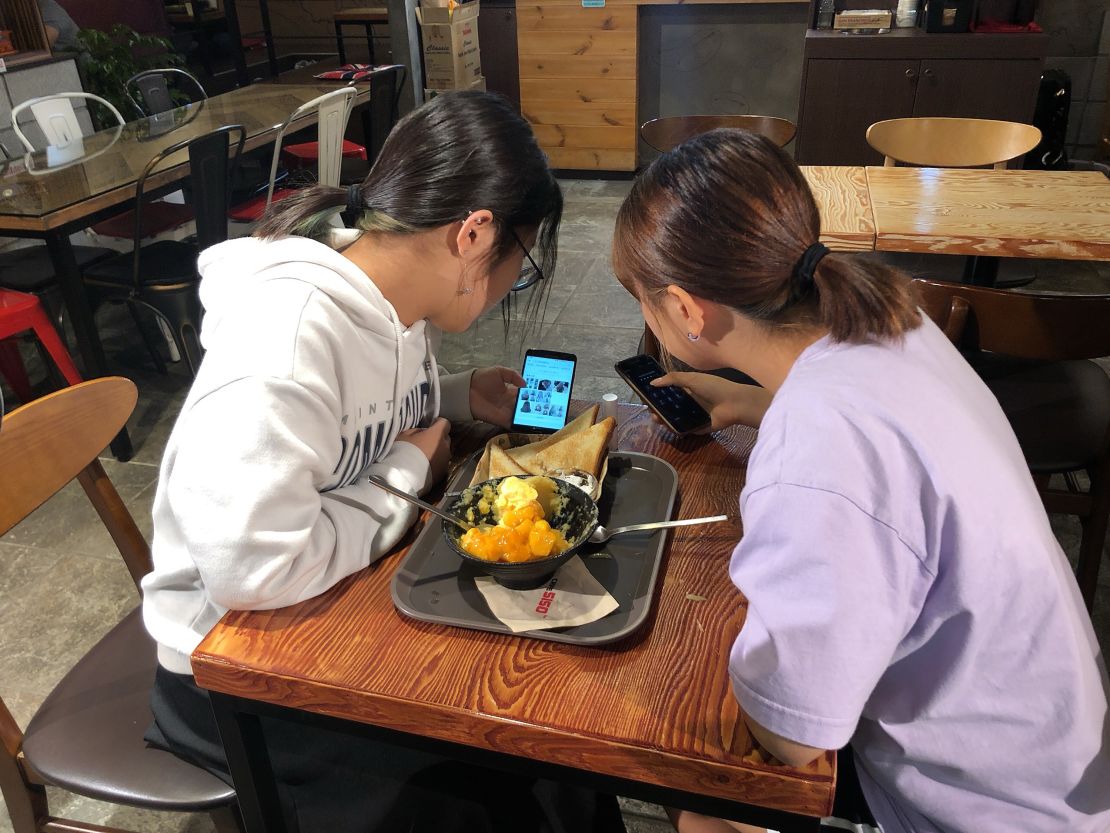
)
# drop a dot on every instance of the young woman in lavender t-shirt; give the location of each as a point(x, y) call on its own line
point(906, 596)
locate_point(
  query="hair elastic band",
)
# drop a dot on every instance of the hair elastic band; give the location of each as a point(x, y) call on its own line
point(805, 267)
point(354, 201)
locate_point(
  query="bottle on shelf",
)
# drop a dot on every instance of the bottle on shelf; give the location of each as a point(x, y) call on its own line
point(825, 12)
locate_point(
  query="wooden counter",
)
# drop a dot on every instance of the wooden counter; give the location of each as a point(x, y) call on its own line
point(578, 78)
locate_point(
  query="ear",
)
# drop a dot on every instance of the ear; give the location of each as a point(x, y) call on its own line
point(477, 235)
point(686, 311)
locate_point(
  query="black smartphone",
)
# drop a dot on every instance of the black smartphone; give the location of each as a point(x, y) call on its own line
point(678, 410)
point(541, 405)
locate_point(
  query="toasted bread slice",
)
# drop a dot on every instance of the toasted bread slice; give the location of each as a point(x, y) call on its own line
point(583, 450)
point(503, 465)
point(525, 453)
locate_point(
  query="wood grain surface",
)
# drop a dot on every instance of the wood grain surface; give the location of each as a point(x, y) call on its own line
point(1051, 214)
point(847, 224)
point(656, 708)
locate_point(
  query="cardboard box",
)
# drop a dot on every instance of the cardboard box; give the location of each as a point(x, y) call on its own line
point(452, 60)
point(480, 84)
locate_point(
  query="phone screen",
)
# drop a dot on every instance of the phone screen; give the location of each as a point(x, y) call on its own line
point(542, 402)
point(676, 406)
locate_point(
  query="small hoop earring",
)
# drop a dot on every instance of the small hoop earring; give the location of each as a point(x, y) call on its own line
point(692, 337)
point(463, 288)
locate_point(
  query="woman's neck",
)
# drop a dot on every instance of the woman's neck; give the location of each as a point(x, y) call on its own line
point(768, 356)
point(401, 270)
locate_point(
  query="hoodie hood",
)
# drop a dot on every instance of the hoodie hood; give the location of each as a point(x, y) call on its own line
point(232, 272)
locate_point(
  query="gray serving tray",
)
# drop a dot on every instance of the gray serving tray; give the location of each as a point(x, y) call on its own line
point(433, 584)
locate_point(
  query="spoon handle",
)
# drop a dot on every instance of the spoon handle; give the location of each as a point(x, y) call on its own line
point(384, 484)
point(667, 524)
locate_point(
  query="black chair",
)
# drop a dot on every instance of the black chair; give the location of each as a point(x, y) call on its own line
point(377, 119)
point(161, 90)
point(162, 276)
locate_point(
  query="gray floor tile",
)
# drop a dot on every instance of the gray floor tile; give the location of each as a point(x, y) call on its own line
point(51, 625)
point(602, 304)
point(68, 523)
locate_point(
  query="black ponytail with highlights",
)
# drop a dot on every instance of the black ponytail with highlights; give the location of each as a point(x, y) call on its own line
point(459, 152)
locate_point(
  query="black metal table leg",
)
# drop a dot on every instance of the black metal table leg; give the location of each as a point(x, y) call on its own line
point(339, 43)
point(268, 34)
point(981, 270)
point(370, 41)
point(249, 763)
point(242, 78)
point(81, 314)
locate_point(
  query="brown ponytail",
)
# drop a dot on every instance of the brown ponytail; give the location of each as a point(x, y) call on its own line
point(729, 217)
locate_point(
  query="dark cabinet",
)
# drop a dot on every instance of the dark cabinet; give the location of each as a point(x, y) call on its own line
point(849, 82)
point(978, 89)
point(497, 40)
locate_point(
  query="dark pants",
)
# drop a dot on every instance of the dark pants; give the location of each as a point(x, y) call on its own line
point(849, 803)
point(330, 782)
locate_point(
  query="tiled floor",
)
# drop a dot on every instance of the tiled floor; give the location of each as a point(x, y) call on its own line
point(62, 584)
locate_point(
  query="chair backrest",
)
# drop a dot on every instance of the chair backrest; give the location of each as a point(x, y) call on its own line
point(666, 133)
point(333, 111)
point(951, 143)
point(156, 92)
point(385, 94)
point(1023, 324)
point(56, 117)
point(212, 163)
point(50, 441)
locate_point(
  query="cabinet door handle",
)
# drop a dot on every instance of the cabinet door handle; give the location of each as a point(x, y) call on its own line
point(911, 74)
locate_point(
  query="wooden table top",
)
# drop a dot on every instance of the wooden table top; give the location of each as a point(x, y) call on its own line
point(39, 192)
point(656, 708)
point(1051, 214)
point(847, 224)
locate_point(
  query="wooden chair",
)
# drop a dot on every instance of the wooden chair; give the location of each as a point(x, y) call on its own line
point(951, 143)
point(671, 131)
point(87, 736)
point(1032, 350)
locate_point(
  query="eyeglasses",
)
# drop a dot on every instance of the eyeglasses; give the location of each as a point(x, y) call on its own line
point(530, 274)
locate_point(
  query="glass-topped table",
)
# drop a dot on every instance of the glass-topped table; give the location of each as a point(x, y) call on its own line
point(52, 193)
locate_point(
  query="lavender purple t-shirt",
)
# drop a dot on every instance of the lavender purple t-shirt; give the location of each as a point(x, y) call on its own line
point(906, 594)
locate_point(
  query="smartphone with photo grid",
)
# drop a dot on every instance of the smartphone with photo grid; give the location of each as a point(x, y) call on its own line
point(541, 405)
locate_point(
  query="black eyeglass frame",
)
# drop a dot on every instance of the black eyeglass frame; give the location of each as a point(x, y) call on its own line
point(525, 280)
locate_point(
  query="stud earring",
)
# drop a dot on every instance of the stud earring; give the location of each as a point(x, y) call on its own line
point(466, 290)
point(692, 336)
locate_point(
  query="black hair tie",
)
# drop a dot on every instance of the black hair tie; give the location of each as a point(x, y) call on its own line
point(354, 204)
point(802, 277)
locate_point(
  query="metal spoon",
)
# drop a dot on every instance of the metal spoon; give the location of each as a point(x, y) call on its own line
point(383, 484)
point(601, 534)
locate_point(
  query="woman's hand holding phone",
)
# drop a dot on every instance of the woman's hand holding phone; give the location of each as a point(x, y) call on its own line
point(493, 393)
point(435, 443)
point(728, 403)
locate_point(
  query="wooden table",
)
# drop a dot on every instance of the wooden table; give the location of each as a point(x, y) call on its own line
point(847, 223)
point(652, 717)
point(38, 201)
point(990, 213)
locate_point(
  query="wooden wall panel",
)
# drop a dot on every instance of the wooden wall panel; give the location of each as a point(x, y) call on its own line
point(577, 66)
point(585, 43)
point(592, 159)
point(582, 113)
point(533, 18)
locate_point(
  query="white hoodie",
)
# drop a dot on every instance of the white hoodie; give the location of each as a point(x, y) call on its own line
point(262, 496)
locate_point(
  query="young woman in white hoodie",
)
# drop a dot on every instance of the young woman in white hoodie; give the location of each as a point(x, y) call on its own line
point(320, 370)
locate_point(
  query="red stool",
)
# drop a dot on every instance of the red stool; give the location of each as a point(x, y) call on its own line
point(19, 312)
